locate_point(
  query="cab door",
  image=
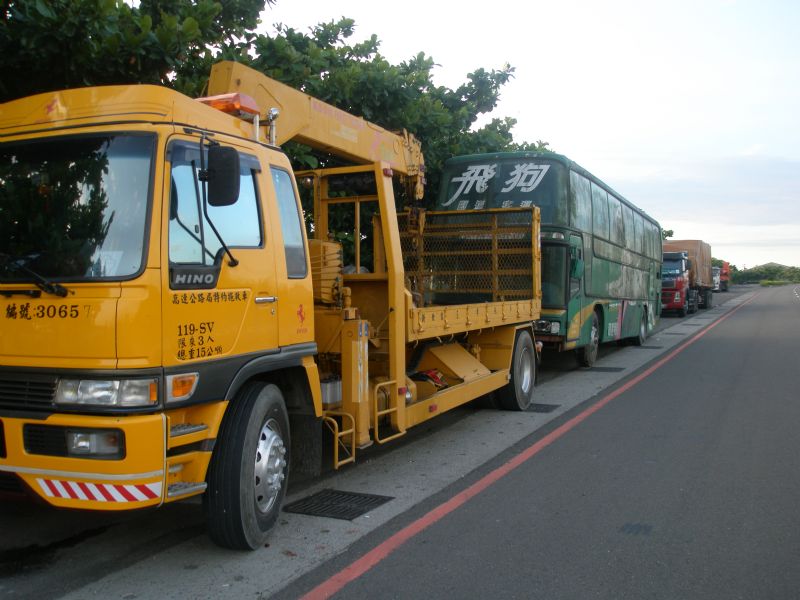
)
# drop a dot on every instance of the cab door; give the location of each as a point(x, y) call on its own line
point(219, 304)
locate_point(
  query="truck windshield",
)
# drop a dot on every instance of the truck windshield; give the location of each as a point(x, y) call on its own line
point(74, 208)
point(554, 276)
point(671, 267)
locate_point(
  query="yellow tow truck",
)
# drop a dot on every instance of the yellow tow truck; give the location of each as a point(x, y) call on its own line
point(167, 329)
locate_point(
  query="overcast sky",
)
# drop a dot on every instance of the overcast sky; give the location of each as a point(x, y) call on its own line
point(689, 108)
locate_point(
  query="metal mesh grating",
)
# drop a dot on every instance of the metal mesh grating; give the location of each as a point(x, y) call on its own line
point(467, 257)
point(336, 504)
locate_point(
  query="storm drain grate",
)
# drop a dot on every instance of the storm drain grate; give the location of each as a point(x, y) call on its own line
point(336, 504)
point(544, 408)
point(650, 347)
point(605, 369)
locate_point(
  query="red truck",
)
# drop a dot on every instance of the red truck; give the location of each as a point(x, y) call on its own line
point(686, 278)
point(724, 276)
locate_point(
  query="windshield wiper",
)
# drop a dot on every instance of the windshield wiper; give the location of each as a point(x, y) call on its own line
point(49, 287)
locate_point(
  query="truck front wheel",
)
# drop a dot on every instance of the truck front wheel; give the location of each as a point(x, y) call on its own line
point(247, 478)
point(685, 309)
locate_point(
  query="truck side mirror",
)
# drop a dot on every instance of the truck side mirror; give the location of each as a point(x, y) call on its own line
point(223, 175)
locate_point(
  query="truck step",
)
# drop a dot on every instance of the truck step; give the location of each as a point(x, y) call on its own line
point(185, 488)
point(186, 428)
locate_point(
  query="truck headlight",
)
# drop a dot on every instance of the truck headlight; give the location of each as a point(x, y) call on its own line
point(677, 297)
point(108, 392)
point(96, 443)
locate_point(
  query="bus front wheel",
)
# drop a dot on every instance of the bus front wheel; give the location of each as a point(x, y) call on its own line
point(587, 355)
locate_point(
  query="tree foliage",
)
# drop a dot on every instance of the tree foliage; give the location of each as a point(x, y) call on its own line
point(771, 272)
point(57, 44)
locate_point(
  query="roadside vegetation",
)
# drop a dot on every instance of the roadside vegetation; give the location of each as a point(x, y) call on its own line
point(57, 44)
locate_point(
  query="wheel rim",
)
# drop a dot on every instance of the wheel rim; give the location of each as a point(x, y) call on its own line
point(595, 336)
point(269, 465)
point(643, 328)
point(525, 371)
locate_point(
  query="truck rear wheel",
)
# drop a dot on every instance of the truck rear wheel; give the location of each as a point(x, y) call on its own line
point(518, 393)
point(247, 478)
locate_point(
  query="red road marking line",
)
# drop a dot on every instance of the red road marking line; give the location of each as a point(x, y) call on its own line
point(357, 568)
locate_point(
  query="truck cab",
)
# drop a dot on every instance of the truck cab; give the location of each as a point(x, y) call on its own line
point(675, 291)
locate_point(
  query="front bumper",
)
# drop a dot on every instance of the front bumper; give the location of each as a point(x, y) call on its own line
point(134, 481)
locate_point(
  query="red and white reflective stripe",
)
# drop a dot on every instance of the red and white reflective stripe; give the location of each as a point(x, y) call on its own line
point(99, 492)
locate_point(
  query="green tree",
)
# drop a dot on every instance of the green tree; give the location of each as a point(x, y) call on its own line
point(666, 233)
point(58, 44)
point(358, 79)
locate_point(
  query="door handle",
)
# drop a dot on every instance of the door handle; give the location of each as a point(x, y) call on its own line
point(266, 299)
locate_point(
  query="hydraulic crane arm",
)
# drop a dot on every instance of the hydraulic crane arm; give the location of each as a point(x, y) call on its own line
point(322, 126)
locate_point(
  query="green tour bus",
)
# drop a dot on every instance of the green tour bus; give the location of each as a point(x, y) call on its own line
point(601, 256)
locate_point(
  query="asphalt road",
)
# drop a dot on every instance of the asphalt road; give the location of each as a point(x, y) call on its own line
point(680, 487)
point(685, 485)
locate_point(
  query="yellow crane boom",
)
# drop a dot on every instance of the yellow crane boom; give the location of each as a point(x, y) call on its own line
point(322, 126)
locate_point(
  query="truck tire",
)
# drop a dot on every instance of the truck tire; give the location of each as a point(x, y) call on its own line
point(588, 354)
point(682, 312)
point(247, 478)
point(518, 393)
point(709, 299)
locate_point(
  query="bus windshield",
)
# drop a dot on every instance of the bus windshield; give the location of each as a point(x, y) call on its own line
point(554, 275)
point(507, 182)
point(74, 208)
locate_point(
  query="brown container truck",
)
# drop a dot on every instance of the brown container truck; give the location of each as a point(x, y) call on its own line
point(687, 282)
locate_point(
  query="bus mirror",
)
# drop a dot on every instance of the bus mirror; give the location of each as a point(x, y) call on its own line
point(577, 268)
point(223, 175)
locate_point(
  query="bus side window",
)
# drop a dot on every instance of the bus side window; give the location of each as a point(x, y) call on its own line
point(600, 225)
point(616, 227)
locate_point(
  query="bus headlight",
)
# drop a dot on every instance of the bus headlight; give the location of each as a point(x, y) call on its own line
point(108, 392)
point(544, 326)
